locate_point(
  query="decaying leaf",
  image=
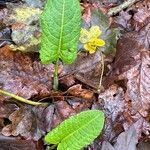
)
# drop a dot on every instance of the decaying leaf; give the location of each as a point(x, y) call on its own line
point(126, 141)
point(11, 143)
point(113, 104)
point(128, 46)
point(63, 111)
point(23, 74)
point(132, 65)
point(123, 20)
point(87, 68)
point(138, 85)
point(135, 17)
point(78, 91)
point(31, 123)
point(6, 109)
point(141, 17)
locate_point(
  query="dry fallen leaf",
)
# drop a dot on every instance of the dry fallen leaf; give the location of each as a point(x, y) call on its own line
point(138, 84)
point(24, 75)
point(78, 91)
point(126, 141)
point(11, 143)
point(62, 111)
point(113, 104)
point(87, 69)
point(30, 122)
point(131, 66)
point(141, 17)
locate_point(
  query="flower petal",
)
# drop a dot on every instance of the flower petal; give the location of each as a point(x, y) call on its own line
point(97, 42)
point(95, 32)
point(84, 36)
point(90, 48)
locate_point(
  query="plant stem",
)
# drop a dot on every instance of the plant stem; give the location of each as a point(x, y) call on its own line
point(52, 147)
point(21, 99)
point(102, 72)
point(55, 81)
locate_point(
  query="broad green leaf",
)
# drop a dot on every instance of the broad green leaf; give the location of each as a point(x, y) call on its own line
point(77, 131)
point(60, 23)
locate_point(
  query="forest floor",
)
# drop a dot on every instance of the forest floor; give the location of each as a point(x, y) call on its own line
point(114, 79)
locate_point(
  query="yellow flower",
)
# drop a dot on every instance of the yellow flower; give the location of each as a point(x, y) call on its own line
point(91, 39)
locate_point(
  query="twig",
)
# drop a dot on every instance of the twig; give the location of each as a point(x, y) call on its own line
point(21, 99)
point(124, 5)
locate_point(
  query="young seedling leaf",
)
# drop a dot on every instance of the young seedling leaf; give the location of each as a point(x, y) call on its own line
point(77, 131)
point(60, 23)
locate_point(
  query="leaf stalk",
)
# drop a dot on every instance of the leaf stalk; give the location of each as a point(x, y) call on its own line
point(55, 80)
point(21, 99)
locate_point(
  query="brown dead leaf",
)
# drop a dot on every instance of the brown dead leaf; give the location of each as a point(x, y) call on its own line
point(87, 8)
point(65, 109)
point(132, 65)
point(30, 122)
point(128, 47)
point(138, 85)
point(113, 104)
point(123, 19)
point(134, 18)
point(77, 91)
point(62, 111)
point(23, 74)
point(141, 17)
point(67, 81)
point(87, 69)
point(11, 143)
point(6, 109)
point(126, 141)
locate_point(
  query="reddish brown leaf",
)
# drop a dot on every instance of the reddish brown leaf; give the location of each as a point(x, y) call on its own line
point(138, 85)
point(126, 141)
point(11, 143)
point(24, 75)
point(63, 111)
point(6, 109)
point(77, 91)
point(128, 47)
point(113, 104)
point(31, 123)
point(141, 17)
point(87, 69)
point(123, 19)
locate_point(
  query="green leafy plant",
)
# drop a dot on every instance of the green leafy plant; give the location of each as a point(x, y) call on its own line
point(77, 131)
point(60, 23)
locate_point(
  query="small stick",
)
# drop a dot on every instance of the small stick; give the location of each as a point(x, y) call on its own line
point(115, 10)
point(21, 99)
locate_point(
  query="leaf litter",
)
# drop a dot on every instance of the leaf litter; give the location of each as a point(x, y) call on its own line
point(126, 80)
